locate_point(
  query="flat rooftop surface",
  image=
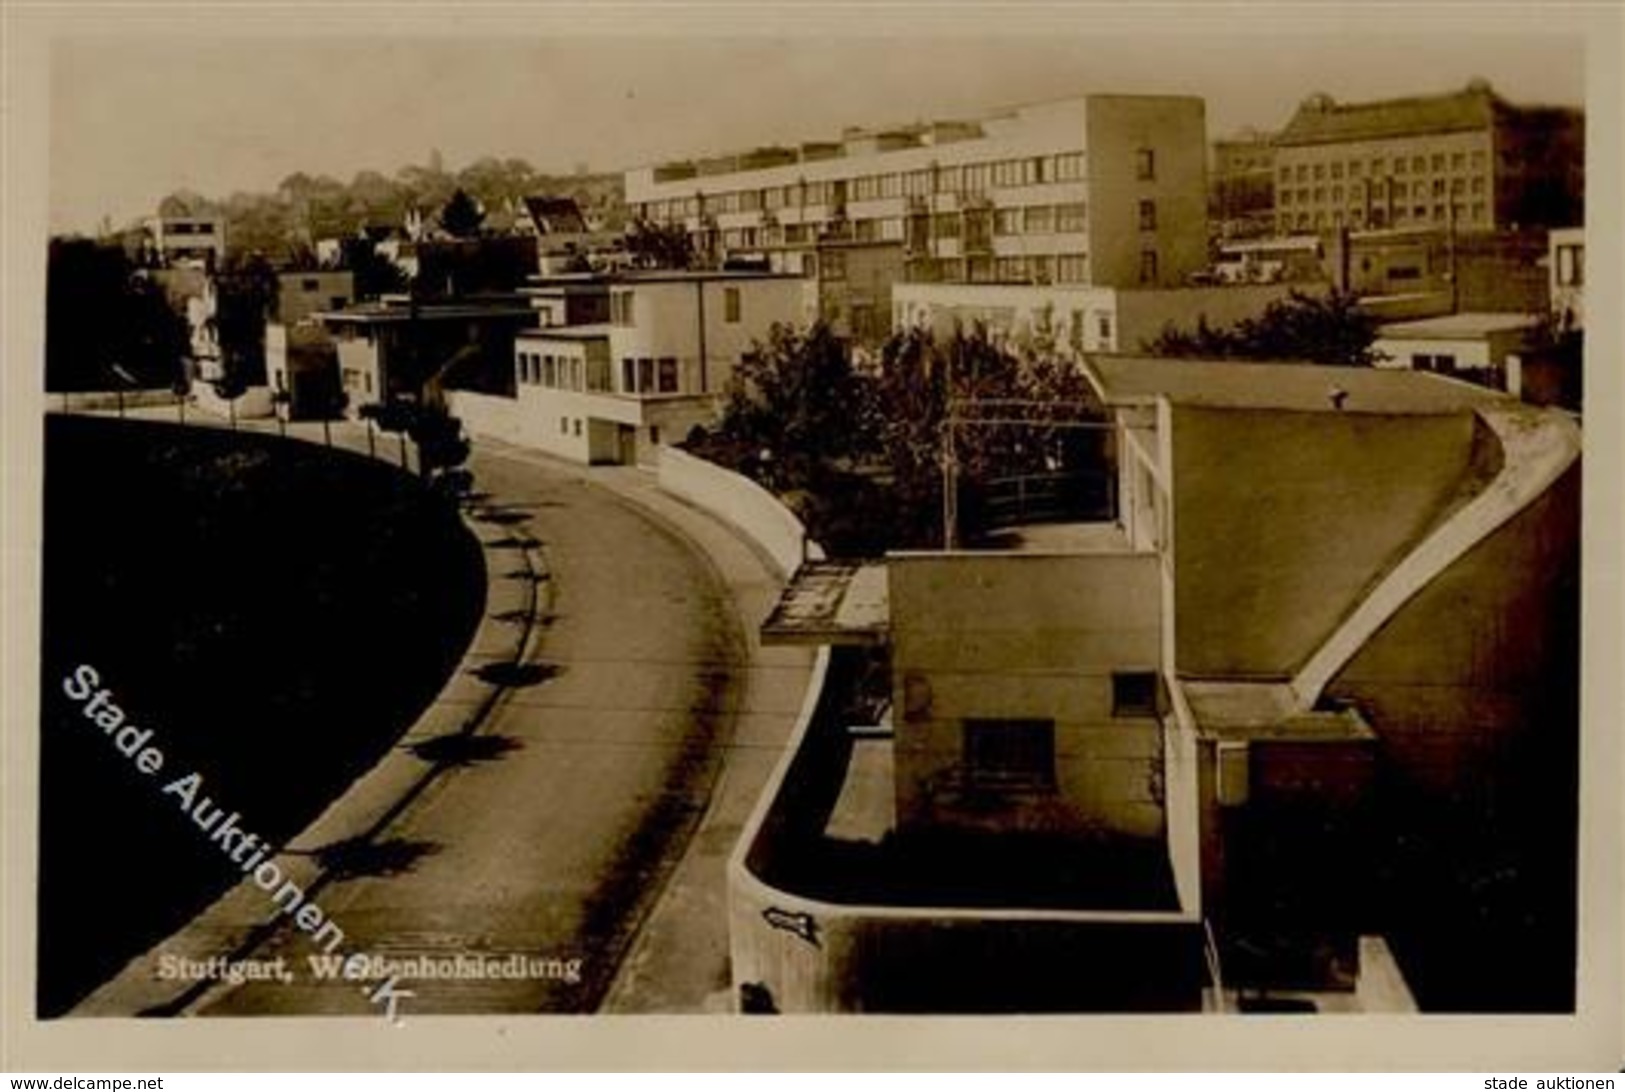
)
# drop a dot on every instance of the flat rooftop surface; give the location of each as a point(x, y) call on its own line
point(1130, 380)
point(1465, 325)
point(1266, 711)
point(831, 602)
point(588, 332)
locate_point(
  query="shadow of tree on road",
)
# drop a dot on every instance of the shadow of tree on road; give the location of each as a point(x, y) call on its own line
point(516, 675)
point(362, 857)
point(460, 749)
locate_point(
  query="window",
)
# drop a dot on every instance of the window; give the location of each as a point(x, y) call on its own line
point(668, 375)
point(1418, 164)
point(598, 375)
point(1071, 218)
point(1072, 269)
point(1400, 166)
point(977, 177)
point(834, 269)
point(1007, 221)
point(1148, 216)
point(578, 426)
point(620, 308)
point(1011, 270)
point(1069, 167)
point(654, 434)
point(730, 305)
point(1571, 265)
point(564, 426)
point(1009, 755)
point(629, 376)
point(646, 375)
point(1103, 327)
point(309, 284)
point(945, 225)
point(1145, 164)
point(1148, 267)
point(1303, 172)
point(1478, 184)
point(1438, 161)
point(1337, 170)
point(1134, 694)
point(1458, 161)
point(1039, 220)
point(1434, 362)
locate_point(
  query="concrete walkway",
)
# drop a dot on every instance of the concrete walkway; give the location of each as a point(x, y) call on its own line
point(591, 816)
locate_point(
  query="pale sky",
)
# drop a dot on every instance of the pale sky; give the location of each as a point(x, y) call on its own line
point(139, 115)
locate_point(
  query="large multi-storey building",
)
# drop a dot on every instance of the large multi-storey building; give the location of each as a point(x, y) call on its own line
point(1097, 190)
point(1467, 159)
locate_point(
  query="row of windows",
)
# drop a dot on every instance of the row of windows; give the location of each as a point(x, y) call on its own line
point(971, 178)
point(1028, 220)
point(556, 372)
point(645, 375)
point(1475, 213)
point(1379, 191)
point(623, 311)
point(1036, 269)
point(1379, 165)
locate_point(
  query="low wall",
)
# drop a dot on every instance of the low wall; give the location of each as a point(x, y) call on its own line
point(253, 403)
point(489, 415)
point(796, 954)
point(742, 503)
point(97, 401)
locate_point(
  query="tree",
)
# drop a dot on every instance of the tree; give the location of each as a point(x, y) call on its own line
point(1328, 329)
point(660, 246)
point(374, 273)
point(100, 312)
point(863, 457)
point(798, 399)
point(462, 216)
point(246, 293)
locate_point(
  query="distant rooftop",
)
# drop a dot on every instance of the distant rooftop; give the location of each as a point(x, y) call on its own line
point(1467, 324)
point(1129, 380)
point(1322, 120)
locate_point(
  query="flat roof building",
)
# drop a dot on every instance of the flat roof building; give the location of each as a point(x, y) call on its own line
point(1097, 190)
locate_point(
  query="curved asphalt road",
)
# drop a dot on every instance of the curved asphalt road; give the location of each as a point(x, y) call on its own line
point(558, 833)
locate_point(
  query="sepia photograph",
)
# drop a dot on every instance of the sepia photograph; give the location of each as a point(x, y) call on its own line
point(562, 514)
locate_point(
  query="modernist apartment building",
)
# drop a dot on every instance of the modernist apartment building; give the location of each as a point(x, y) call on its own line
point(1294, 731)
point(1099, 190)
point(187, 238)
point(615, 391)
point(1467, 159)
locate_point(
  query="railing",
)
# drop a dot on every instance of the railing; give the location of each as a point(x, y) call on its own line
point(1079, 496)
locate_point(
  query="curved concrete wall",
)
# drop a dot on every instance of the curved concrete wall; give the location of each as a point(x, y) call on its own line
point(740, 502)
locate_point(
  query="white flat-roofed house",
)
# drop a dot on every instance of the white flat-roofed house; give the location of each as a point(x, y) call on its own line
point(1476, 346)
point(614, 392)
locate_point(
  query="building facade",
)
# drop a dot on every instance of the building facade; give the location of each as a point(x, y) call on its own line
point(615, 392)
point(187, 238)
point(1468, 160)
point(1101, 190)
point(1274, 728)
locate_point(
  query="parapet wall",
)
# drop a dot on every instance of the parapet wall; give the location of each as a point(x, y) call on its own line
point(740, 502)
